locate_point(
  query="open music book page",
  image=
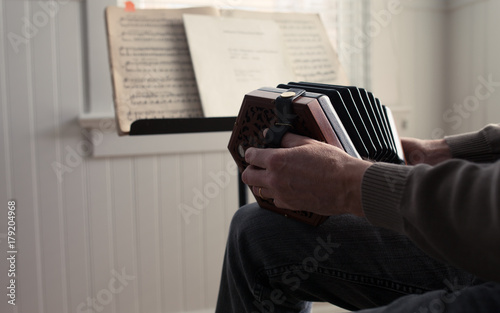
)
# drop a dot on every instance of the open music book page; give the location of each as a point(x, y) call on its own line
point(231, 56)
point(151, 65)
point(308, 47)
point(240, 50)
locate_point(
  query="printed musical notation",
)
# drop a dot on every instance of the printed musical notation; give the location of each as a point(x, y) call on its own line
point(153, 75)
point(245, 54)
point(309, 49)
point(195, 62)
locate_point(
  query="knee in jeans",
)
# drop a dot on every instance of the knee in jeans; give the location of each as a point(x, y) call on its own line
point(245, 218)
point(249, 223)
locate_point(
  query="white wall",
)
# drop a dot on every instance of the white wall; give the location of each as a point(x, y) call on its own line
point(408, 64)
point(110, 215)
point(106, 215)
point(473, 55)
point(429, 57)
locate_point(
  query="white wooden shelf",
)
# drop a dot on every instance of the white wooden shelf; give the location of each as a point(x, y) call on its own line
point(101, 131)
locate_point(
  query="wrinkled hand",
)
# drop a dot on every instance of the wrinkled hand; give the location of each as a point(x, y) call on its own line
point(307, 175)
point(429, 152)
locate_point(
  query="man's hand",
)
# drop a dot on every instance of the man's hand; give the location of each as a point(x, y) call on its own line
point(429, 152)
point(307, 175)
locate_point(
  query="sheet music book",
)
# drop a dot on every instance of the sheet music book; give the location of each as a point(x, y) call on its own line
point(199, 62)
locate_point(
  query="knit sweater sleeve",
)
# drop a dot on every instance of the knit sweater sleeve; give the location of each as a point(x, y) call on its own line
point(450, 210)
point(481, 146)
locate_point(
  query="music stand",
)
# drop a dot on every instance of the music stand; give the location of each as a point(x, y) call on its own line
point(189, 125)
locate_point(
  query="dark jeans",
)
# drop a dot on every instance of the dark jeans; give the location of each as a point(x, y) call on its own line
point(274, 264)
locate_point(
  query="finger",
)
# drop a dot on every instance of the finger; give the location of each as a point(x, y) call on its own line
point(259, 157)
point(291, 140)
point(261, 192)
point(254, 176)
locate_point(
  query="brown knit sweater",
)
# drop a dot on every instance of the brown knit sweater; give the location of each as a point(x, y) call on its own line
point(450, 210)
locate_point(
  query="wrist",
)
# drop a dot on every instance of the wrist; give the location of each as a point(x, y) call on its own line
point(437, 151)
point(359, 171)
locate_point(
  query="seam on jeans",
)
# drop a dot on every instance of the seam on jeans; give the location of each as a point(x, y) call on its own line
point(373, 281)
point(338, 274)
point(258, 289)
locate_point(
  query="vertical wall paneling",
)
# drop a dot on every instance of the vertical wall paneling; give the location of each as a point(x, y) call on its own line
point(156, 224)
point(231, 199)
point(111, 242)
point(46, 109)
point(146, 216)
point(216, 179)
point(5, 167)
point(19, 83)
point(171, 228)
point(5, 157)
point(67, 58)
point(101, 252)
point(125, 235)
point(192, 195)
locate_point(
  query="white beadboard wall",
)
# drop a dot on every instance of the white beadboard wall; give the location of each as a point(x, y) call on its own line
point(107, 215)
point(118, 217)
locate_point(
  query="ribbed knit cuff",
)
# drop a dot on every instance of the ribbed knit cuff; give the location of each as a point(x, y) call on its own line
point(470, 146)
point(381, 193)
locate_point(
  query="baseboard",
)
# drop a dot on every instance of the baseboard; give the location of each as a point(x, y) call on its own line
point(317, 308)
point(201, 311)
point(327, 308)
